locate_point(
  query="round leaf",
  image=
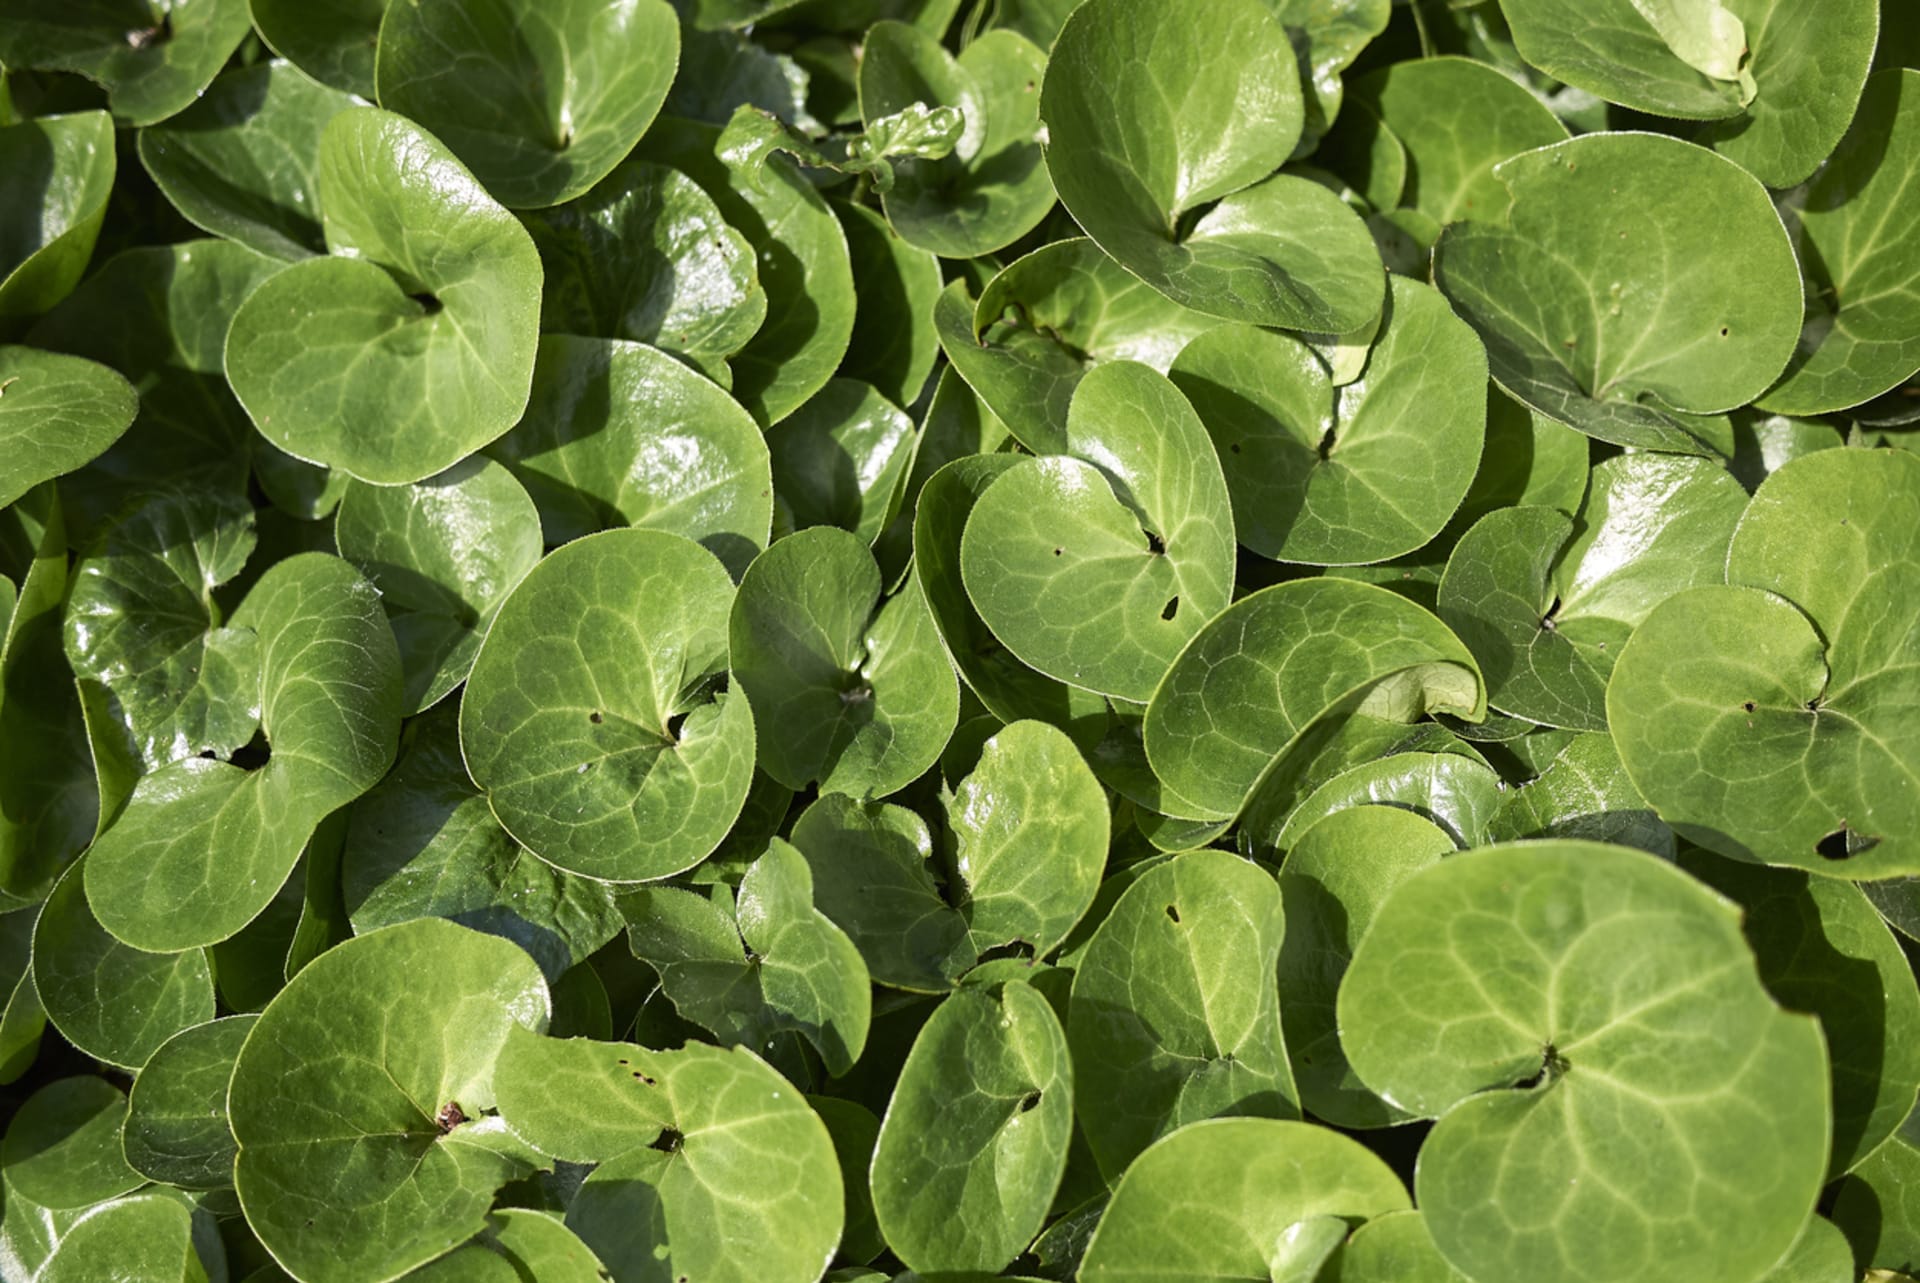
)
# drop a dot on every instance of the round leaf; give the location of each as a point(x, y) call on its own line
point(590, 719)
point(63, 1146)
point(350, 1096)
point(1680, 60)
point(148, 1237)
point(51, 223)
point(56, 414)
point(540, 98)
point(1596, 991)
point(176, 1129)
point(840, 460)
point(334, 43)
point(1584, 792)
point(411, 344)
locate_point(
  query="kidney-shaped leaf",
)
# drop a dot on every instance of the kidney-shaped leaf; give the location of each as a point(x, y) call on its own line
point(1270, 665)
point(56, 413)
point(1097, 565)
point(411, 344)
point(975, 1139)
point(1238, 1198)
point(711, 1165)
point(203, 844)
point(1773, 719)
point(1605, 300)
point(177, 1129)
point(540, 98)
point(357, 1100)
point(592, 719)
point(1175, 1016)
point(1587, 1024)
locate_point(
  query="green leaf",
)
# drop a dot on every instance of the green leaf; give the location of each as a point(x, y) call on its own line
point(1252, 1183)
point(1863, 293)
point(770, 964)
point(1224, 113)
point(753, 135)
point(1009, 688)
point(1395, 1248)
point(202, 845)
point(613, 756)
point(410, 344)
point(1174, 1016)
point(1600, 301)
point(61, 171)
point(146, 1237)
point(56, 414)
point(1669, 57)
point(334, 44)
point(1043, 321)
point(351, 1096)
point(110, 1000)
point(1876, 1209)
point(1584, 792)
point(975, 1139)
point(1769, 720)
point(992, 188)
point(242, 162)
point(688, 1184)
point(1267, 669)
point(1546, 610)
point(854, 691)
point(1822, 947)
point(894, 345)
point(142, 622)
point(855, 1131)
point(1459, 793)
point(424, 844)
point(443, 554)
point(539, 98)
point(540, 1246)
point(618, 434)
point(1337, 874)
point(22, 1018)
point(176, 1129)
point(153, 61)
point(1327, 36)
point(802, 261)
point(1096, 566)
point(1361, 473)
point(840, 460)
point(1457, 120)
point(63, 1146)
point(1563, 1041)
point(647, 256)
point(871, 876)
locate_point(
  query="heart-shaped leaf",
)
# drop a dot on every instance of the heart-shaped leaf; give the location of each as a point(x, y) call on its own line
point(57, 413)
point(443, 553)
point(202, 845)
point(1174, 1016)
point(1546, 610)
point(62, 170)
point(854, 692)
point(1043, 321)
point(687, 1184)
point(410, 344)
point(176, 1129)
point(1264, 671)
point(1858, 340)
point(1336, 876)
point(993, 188)
point(540, 98)
point(152, 61)
point(1769, 720)
point(1259, 1186)
point(357, 1100)
point(1621, 985)
point(975, 1139)
point(605, 419)
point(647, 256)
point(1341, 475)
point(1096, 566)
point(1597, 298)
point(767, 965)
point(242, 162)
point(424, 844)
point(1171, 182)
point(620, 760)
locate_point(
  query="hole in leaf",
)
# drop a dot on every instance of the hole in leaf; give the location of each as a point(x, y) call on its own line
point(668, 1141)
point(1724, 331)
point(1552, 1066)
point(1058, 551)
point(1235, 447)
point(1173, 913)
point(1172, 608)
point(1546, 620)
point(1028, 1101)
point(674, 724)
point(646, 1080)
point(1843, 844)
point(595, 717)
point(1021, 949)
point(429, 303)
point(254, 754)
point(1155, 544)
point(450, 1116)
point(1748, 706)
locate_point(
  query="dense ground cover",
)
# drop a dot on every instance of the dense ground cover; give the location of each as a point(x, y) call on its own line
point(747, 641)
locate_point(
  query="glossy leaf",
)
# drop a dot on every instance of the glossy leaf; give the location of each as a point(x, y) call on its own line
point(1453, 790)
point(893, 345)
point(149, 71)
point(1584, 792)
point(63, 1146)
point(176, 1129)
point(841, 459)
point(61, 172)
point(334, 43)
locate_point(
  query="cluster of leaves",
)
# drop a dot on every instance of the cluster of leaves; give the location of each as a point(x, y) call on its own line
point(877, 639)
